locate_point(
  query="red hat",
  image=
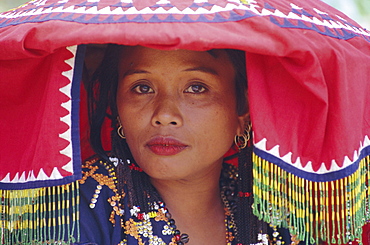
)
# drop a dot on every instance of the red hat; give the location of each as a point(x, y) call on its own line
point(308, 69)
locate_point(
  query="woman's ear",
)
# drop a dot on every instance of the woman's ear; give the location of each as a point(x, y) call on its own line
point(244, 121)
point(244, 118)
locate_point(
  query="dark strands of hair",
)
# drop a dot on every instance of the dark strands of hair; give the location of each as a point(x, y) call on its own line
point(101, 96)
point(237, 58)
point(247, 227)
point(102, 99)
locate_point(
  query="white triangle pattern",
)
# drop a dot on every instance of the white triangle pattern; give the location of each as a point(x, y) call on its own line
point(287, 158)
point(67, 135)
point(30, 176)
point(230, 6)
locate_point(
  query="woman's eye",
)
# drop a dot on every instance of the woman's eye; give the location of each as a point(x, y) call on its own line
point(142, 89)
point(195, 89)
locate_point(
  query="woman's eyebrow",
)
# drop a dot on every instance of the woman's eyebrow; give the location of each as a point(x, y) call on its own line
point(203, 69)
point(135, 71)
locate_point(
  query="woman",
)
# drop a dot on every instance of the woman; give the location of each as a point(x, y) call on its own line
point(311, 147)
point(175, 116)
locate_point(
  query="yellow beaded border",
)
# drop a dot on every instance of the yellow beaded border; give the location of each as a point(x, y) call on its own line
point(332, 211)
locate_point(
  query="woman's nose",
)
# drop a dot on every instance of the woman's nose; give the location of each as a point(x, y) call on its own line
point(167, 113)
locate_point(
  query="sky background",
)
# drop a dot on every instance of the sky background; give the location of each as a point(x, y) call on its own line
point(358, 10)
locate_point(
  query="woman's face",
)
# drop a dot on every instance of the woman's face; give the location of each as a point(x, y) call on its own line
point(178, 110)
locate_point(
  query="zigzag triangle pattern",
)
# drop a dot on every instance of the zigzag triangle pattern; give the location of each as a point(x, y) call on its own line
point(31, 176)
point(67, 135)
point(347, 166)
point(125, 11)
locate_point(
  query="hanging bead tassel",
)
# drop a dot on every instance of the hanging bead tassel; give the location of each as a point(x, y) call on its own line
point(332, 211)
point(40, 216)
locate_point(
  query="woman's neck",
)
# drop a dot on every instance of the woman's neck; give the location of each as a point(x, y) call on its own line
point(196, 206)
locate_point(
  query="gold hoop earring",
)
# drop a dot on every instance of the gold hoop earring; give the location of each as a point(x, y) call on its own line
point(120, 130)
point(241, 141)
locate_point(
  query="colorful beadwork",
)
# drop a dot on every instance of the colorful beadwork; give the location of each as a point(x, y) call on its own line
point(140, 225)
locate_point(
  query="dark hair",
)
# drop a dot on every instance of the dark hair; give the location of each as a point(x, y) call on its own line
point(101, 96)
point(237, 58)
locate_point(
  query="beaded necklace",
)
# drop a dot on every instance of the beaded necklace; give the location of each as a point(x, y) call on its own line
point(228, 197)
point(158, 210)
point(230, 224)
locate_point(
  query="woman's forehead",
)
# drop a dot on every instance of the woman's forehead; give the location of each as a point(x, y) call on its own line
point(138, 55)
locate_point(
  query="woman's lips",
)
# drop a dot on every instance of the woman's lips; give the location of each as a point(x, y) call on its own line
point(165, 146)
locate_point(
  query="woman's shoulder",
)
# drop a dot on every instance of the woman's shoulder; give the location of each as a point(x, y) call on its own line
point(99, 203)
point(101, 171)
point(105, 216)
point(98, 185)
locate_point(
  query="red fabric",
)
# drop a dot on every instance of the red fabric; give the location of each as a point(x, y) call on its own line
point(30, 114)
point(307, 89)
point(366, 235)
point(310, 97)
